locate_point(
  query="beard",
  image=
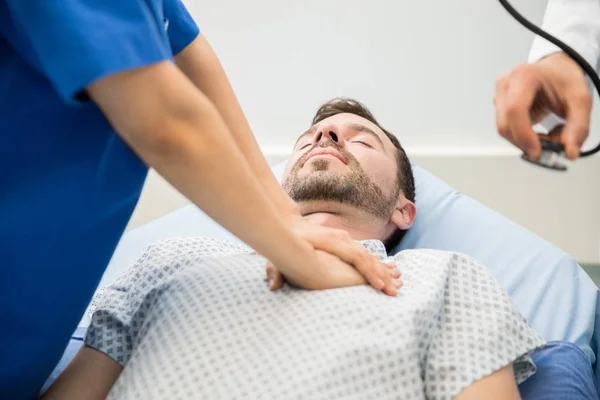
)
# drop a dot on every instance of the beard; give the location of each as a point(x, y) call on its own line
point(353, 188)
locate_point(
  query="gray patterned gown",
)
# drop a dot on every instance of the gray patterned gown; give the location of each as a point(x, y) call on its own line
point(194, 319)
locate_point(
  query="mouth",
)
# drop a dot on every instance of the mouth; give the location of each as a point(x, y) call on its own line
point(324, 153)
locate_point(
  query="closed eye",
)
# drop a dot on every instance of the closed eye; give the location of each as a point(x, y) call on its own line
point(363, 143)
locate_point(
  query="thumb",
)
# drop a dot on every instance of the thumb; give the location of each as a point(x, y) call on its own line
point(274, 277)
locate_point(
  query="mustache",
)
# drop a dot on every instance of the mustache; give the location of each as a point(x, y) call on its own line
point(330, 143)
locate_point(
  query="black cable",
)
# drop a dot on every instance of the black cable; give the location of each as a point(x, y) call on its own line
point(587, 68)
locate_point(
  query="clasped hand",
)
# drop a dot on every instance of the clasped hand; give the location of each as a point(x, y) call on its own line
point(344, 261)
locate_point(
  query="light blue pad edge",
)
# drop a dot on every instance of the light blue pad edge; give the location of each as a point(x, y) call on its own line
point(547, 286)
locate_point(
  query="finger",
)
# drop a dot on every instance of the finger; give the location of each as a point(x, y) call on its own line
point(379, 272)
point(394, 272)
point(555, 134)
point(374, 278)
point(375, 273)
point(538, 112)
point(500, 106)
point(395, 281)
point(577, 127)
point(277, 281)
point(522, 89)
point(270, 270)
point(391, 266)
point(385, 282)
point(391, 290)
point(274, 277)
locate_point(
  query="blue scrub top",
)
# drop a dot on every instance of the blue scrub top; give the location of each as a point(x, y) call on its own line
point(68, 184)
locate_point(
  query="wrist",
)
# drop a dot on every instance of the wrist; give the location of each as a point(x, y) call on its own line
point(295, 259)
point(560, 60)
point(284, 205)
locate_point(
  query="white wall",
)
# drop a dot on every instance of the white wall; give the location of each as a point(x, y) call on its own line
point(425, 68)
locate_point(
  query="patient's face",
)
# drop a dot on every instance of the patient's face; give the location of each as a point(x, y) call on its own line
point(345, 159)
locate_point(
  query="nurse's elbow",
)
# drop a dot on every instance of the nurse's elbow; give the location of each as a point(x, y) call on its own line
point(151, 138)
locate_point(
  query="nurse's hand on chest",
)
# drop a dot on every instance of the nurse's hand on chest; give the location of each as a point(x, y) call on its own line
point(368, 269)
point(338, 274)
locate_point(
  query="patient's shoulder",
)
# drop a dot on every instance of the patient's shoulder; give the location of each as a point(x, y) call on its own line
point(440, 258)
point(165, 258)
point(429, 254)
point(177, 253)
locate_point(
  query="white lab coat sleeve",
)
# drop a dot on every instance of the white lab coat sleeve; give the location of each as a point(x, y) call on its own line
point(575, 22)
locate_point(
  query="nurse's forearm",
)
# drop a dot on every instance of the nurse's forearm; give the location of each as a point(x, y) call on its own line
point(199, 62)
point(177, 130)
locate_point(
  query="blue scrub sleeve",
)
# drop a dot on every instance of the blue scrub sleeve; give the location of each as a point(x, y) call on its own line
point(182, 28)
point(77, 42)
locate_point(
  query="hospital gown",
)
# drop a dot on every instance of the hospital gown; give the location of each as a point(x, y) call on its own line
point(193, 318)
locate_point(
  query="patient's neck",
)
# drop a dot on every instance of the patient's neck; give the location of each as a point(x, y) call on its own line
point(359, 224)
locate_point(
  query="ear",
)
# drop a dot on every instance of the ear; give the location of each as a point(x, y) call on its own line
point(404, 214)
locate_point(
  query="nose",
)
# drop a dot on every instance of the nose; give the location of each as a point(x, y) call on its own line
point(328, 132)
